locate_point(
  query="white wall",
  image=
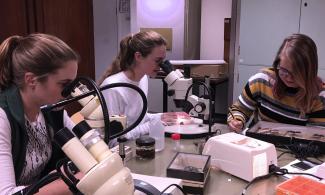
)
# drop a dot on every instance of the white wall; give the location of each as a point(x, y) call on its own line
point(105, 34)
point(109, 27)
point(212, 41)
point(170, 14)
point(161, 14)
point(123, 24)
point(212, 27)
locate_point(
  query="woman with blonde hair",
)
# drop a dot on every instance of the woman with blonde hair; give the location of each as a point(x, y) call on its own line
point(139, 58)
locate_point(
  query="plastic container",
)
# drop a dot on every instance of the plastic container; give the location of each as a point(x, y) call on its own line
point(300, 185)
point(177, 142)
point(145, 147)
point(158, 133)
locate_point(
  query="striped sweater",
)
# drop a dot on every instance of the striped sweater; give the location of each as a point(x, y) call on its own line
point(257, 98)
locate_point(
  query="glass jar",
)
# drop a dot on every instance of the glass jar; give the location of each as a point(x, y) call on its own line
point(145, 147)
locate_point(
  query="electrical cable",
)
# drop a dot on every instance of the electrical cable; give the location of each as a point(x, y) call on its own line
point(67, 181)
point(280, 171)
point(144, 106)
point(179, 187)
point(210, 103)
point(44, 181)
point(70, 180)
point(52, 177)
point(302, 150)
point(309, 174)
point(256, 179)
point(68, 89)
point(126, 130)
point(302, 159)
point(308, 160)
point(274, 170)
point(68, 172)
point(287, 152)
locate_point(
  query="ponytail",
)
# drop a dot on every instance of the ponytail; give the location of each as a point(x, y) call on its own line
point(143, 42)
point(6, 68)
point(123, 60)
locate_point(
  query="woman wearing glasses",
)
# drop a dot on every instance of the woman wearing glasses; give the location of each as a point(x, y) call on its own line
point(290, 92)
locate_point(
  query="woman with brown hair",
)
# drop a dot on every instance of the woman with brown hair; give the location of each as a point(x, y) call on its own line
point(139, 57)
point(290, 92)
point(34, 69)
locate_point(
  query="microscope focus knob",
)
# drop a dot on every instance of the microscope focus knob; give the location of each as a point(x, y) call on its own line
point(199, 107)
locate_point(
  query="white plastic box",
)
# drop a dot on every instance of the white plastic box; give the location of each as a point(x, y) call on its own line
point(241, 156)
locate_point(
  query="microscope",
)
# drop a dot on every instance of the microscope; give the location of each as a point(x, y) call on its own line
point(103, 171)
point(92, 111)
point(180, 88)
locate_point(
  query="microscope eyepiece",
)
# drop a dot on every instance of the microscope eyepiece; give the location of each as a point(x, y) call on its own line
point(69, 88)
point(63, 136)
point(166, 66)
point(81, 129)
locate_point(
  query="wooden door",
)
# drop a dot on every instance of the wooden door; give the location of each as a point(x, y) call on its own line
point(70, 20)
point(13, 18)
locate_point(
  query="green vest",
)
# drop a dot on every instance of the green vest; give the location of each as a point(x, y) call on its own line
point(11, 103)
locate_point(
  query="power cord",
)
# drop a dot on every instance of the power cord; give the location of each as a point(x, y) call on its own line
point(305, 150)
point(179, 187)
point(70, 180)
point(68, 177)
point(44, 181)
point(285, 152)
point(275, 170)
point(302, 150)
point(255, 180)
point(280, 171)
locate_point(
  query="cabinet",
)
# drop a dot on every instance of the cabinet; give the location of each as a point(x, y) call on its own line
point(263, 26)
point(312, 13)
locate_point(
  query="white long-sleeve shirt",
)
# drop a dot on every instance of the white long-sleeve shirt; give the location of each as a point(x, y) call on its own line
point(38, 152)
point(127, 101)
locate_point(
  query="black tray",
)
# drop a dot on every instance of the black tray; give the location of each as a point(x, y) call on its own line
point(284, 135)
point(188, 166)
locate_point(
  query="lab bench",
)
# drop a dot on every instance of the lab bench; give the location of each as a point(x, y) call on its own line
point(219, 182)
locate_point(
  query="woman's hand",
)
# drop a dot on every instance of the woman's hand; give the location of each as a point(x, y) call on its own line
point(236, 125)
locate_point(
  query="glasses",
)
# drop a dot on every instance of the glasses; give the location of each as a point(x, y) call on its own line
point(284, 72)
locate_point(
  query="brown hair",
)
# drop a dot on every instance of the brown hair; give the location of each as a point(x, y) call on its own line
point(142, 42)
point(301, 50)
point(38, 53)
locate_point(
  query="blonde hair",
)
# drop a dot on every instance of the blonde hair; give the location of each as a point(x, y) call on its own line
point(143, 42)
point(301, 51)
